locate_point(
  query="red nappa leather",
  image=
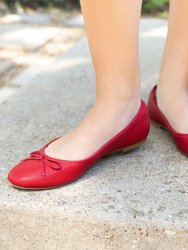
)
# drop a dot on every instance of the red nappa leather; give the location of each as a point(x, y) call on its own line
point(40, 171)
point(158, 117)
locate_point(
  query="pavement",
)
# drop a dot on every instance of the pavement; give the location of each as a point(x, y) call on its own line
point(136, 200)
point(35, 39)
point(26, 31)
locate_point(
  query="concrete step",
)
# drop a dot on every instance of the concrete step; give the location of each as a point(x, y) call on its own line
point(135, 200)
point(19, 36)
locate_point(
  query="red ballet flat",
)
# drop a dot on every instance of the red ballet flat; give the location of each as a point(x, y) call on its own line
point(159, 119)
point(39, 171)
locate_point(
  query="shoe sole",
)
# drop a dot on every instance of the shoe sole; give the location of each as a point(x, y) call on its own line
point(131, 147)
point(163, 127)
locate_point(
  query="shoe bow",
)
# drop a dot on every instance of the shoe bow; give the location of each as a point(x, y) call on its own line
point(40, 156)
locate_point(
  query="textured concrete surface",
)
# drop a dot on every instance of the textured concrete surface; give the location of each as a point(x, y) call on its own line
point(5, 66)
point(135, 200)
point(25, 37)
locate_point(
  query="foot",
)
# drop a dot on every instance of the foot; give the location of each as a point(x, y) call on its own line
point(100, 124)
point(173, 102)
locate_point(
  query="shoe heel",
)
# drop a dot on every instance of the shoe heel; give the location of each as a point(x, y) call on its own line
point(134, 146)
point(124, 150)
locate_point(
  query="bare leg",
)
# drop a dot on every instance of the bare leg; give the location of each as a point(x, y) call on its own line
point(172, 91)
point(112, 28)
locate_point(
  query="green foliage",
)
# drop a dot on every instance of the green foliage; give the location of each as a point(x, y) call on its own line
point(155, 6)
point(42, 3)
point(149, 6)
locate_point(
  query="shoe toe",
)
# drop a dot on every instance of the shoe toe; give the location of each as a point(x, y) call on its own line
point(26, 174)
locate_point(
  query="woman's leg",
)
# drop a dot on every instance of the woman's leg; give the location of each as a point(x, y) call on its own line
point(172, 90)
point(112, 29)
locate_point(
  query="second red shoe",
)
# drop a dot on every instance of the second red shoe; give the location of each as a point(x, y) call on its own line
point(39, 171)
point(159, 119)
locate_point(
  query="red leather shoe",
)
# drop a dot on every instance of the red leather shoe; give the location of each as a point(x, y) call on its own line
point(40, 171)
point(159, 119)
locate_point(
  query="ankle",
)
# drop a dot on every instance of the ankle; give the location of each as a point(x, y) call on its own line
point(125, 96)
point(171, 92)
point(170, 83)
point(171, 99)
point(114, 104)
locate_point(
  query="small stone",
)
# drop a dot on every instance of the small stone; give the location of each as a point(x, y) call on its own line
point(169, 232)
point(133, 247)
